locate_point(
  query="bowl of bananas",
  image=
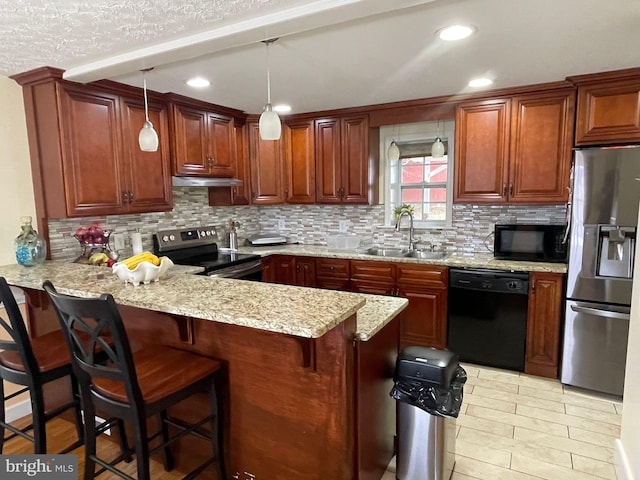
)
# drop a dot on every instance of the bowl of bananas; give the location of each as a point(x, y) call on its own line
point(143, 268)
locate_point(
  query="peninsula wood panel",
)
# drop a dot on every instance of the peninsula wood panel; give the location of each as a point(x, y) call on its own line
point(543, 324)
point(482, 149)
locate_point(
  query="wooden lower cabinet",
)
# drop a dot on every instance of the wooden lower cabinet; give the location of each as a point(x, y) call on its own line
point(333, 273)
point(377, 278)
point(289, 270)
point(543, 323)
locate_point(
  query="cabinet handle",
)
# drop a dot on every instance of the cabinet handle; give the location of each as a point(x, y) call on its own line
point(504, 190)
point(253, 194)
point(234, 190)
point(286, 193)
point(130, 196)
point(213, 161)
point(511, 189)
point(125, 197)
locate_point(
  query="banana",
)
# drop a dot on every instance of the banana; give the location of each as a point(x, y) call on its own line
point(132, 262)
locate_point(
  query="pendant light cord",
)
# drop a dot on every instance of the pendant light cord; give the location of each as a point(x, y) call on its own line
point(144, 88)
point(268, 75)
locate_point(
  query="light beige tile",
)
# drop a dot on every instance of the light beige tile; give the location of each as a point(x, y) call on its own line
point(502, 386)
point(568, 420)
point(392, 465)
point(618, 407)
point(580, 400)
point(484, 425)
point(594, 438)
point(518, 398)
point(490, 402)
point(472, 370)
point(483, 453)
point(546, 470)
point(594, 467)
point(568, 445)
point(519, 447)
point(486, 471)
point(519, 420)
point(468, 388)
point(388, 476)
point(591, 414)
point(462, 476)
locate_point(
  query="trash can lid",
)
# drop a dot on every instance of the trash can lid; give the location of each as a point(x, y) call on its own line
point(433, 366)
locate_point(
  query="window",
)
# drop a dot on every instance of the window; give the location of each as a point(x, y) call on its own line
point(416, 178)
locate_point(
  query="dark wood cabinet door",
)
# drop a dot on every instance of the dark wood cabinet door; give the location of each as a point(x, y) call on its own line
point(543, 324)
point(92, 152)
point(221, 152)
point(147, 174)
point(300, 163)
point(305, 272)
point(265, 160)
point(333, 273)
point(378, 278)
point(355, 160)
point(328, 161)
point(268, 270)
point(482, 152)
point(191, 147)
point(284, 268)
point(241, 195)
point(374, 288)
point(608, 112)
point(541, 142)
point(424, 321)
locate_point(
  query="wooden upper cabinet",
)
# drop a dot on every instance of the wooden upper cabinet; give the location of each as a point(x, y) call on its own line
point(541, 142)
point(482, 151)
point(204, 144)
point(515, 150)
point(342, 160)
point(608, 109)
point(147, 174)
point(266, 166)
point(300, 164)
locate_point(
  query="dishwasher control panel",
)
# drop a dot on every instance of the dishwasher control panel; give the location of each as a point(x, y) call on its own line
point(492, 280)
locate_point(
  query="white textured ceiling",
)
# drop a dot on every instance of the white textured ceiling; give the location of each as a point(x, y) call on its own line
point(331, 53)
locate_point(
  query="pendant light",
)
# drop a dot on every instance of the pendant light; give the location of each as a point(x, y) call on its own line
point(437, 148)
point(269, 125)
point(147, 138)
point(393, 152)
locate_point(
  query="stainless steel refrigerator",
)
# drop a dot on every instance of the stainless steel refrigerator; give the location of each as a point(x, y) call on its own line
point(602, 226)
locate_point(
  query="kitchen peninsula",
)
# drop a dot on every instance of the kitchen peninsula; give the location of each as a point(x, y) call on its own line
point(307, 398)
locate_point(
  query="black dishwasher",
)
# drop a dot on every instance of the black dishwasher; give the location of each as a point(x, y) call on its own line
point(487, 321)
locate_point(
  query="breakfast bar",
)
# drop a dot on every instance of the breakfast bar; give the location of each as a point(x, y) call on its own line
point(309, 370)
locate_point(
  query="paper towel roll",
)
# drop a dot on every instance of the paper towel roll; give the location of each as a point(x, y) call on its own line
point(136, 243)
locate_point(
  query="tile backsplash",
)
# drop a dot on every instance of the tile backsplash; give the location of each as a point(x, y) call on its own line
point(308, 224)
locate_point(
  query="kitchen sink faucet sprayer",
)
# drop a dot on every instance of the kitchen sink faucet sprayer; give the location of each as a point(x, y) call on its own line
point(404, 212)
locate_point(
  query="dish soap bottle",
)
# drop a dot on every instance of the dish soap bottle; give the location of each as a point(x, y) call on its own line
point(31, 249)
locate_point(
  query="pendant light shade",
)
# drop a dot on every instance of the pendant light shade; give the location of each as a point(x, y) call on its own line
point(393, 152)
point(269, 126)
point(148, 137)
point(437, 149)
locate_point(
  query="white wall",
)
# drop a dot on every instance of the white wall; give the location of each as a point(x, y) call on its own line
point(628, 447)
point(16, 188)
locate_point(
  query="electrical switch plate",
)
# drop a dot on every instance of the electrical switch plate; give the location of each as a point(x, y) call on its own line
point(343, 226)
point(118, 241)
point(281, 224)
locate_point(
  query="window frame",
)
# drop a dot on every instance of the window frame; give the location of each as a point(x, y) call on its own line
point(425, 132)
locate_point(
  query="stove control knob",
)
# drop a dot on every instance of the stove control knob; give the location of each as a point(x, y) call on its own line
point(165, 238)
point(202, 233)
point(208, 233)
point(172, 237)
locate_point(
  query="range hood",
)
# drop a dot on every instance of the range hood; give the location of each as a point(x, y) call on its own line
point(205, 182)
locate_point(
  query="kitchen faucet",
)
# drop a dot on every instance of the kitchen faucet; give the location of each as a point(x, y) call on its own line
point(402, 214)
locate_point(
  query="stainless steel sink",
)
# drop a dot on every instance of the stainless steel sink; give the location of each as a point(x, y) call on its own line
point(387, 252)
point(403, 252)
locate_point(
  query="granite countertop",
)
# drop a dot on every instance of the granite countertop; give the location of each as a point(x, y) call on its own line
point(298, 311)
point(475, 260)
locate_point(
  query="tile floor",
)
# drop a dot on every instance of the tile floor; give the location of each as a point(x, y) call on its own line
point(514, 426)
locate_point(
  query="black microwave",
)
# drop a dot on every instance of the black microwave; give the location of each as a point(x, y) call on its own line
point(529, 242)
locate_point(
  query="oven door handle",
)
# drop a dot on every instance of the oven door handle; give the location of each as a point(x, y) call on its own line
point(600, 313)
point(238, 271)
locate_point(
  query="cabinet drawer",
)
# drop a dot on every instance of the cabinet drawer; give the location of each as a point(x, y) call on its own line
point(376, 271)
point(422, 274)
point(332, 267)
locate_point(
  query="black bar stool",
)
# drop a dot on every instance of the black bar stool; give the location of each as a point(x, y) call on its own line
point(136, 385)
point(32, 364)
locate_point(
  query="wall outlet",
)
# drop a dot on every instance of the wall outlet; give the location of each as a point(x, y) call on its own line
point(118, 241)
point(281, 224)
point(343, 226)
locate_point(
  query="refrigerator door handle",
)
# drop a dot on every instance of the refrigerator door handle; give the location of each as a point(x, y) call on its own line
point(569, 205)
point(600, 313)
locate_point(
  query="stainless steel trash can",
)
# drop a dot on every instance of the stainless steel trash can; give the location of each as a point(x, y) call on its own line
point(428, 387)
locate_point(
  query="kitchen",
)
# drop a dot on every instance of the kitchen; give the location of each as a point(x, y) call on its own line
point(248, 216)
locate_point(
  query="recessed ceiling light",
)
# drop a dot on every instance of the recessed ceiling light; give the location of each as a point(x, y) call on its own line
point(480, 82)
point(456, 32)
point(282, 108)
point(198, 82)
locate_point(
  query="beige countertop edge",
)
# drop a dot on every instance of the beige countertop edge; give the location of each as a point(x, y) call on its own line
point(475, 260)
point(376, 313)
point(276, 308)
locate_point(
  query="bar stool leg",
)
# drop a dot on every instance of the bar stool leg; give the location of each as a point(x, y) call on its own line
point(169, 461)
point(2, 416)
point(75, 391)
point(142, 449)
point(39, 420)
point(124, 443)
point(217, 425)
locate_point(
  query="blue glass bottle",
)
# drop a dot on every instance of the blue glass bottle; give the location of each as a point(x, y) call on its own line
point(31, 248)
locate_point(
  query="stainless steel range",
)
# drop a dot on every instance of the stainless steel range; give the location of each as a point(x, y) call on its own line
point(197, 246)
